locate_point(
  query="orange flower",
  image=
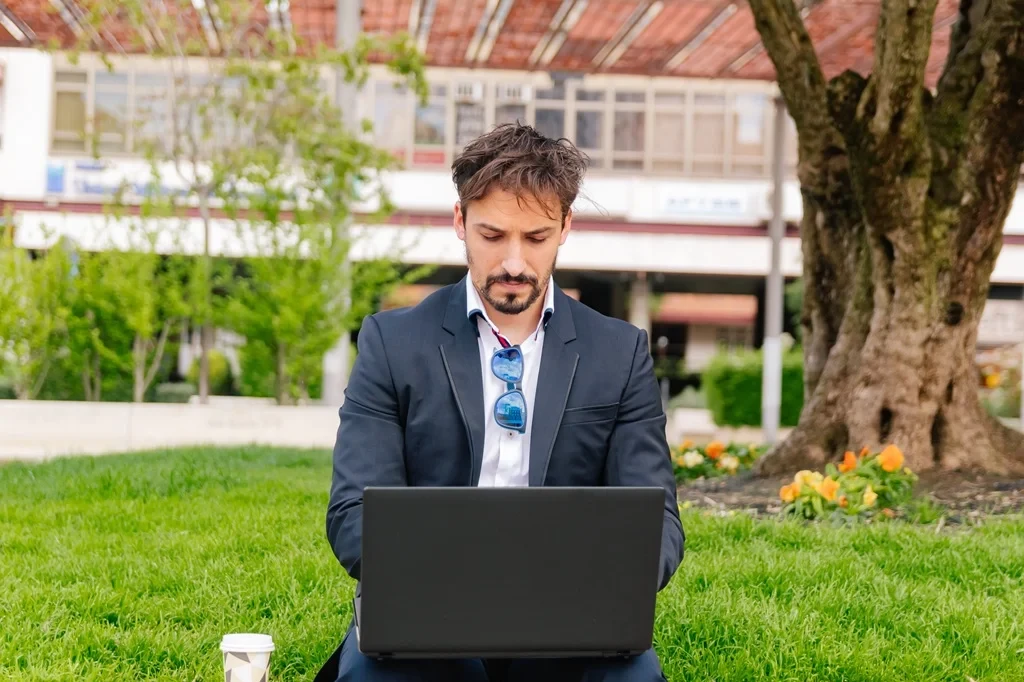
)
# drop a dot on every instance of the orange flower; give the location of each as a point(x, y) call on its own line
point(993, 380)
point(891, 459)
point(828, 489)
point(843, 502)
point(687, 445)
point(789, 492)
point(714, 449)
point(865, 452)
point(849, 462)
point(889, 512)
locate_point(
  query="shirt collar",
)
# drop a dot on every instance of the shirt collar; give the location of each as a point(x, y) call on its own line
point(475, 305)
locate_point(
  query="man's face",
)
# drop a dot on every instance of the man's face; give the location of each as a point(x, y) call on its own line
point(511, 247)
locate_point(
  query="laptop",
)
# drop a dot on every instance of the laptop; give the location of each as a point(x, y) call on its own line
point(472, 572)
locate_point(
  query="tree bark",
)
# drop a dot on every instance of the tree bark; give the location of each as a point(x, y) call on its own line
point(905, 194)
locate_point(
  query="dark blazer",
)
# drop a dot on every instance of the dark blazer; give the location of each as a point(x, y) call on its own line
point(414, 412)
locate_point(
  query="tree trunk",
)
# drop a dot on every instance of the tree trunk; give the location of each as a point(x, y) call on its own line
point(905, 196)
point(205, 344)
point(138, 369)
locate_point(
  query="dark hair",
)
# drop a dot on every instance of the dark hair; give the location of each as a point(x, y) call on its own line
point(521, 161)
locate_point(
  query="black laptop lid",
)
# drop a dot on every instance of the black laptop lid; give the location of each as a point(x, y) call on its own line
point(509, 571)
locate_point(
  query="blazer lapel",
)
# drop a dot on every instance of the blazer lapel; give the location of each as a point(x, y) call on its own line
point(461, 357)
point(557, 370)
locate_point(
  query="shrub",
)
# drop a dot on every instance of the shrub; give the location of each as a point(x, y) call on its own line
point(732, 383)
point(861, 486)
point(714, 459)
point(178, 392)
point(7, 389)
point(221, 379)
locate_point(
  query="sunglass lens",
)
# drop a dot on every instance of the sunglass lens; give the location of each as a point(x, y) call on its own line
point(507, 364)
point(510, 411)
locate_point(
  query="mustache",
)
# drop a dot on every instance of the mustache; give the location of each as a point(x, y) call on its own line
point(506, 278)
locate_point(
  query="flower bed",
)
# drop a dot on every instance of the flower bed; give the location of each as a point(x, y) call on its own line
point(714, 459)
point(861, 486)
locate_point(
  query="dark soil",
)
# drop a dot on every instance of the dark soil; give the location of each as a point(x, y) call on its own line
point(963, 496)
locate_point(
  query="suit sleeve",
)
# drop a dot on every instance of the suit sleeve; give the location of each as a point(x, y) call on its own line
point(369, 448)
point(639, 455)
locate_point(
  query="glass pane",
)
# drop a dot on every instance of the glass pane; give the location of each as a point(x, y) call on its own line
point(629, 131)
point(668, 133)
point(429, 128)
point(556, 92)
point(675, 99)
point(708, 99)
point(71, 77)
point(106, 78)
point(111, 112)
point(469, 122)
point(151, 80)
point(70, 112)
point(708, 133)
point(551, 122)
point(590, 95)
point(665, 165)
point(708, 167)
point(509, 113)
point(748, 126)
point(391, 124)
point(628, 164)
point(630, 97)
point(588, 129)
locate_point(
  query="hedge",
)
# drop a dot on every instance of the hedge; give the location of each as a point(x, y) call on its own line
point(732, 383)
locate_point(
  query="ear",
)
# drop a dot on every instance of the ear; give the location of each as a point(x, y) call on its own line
point(460, 221)
point(566, 226)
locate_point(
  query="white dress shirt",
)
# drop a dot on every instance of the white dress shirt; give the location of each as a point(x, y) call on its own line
point(506, 458)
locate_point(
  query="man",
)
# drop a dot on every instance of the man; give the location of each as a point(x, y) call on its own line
point(426, 406)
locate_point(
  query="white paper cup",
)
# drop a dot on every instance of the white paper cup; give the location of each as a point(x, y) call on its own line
point(246, 657)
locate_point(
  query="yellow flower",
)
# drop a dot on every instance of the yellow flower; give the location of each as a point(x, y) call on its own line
point(692, 459)
point(849, 462)
point(804, 477)
point(828, 489)
point(714, 449)
point(891, 459)
point(870, 496)
point(730, 463)
point(687, 445)
point(993, 380)
point(789, 492)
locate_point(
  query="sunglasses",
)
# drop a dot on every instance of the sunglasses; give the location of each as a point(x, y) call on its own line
point(510, 407)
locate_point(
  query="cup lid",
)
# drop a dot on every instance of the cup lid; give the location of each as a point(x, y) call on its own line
point(247, 642)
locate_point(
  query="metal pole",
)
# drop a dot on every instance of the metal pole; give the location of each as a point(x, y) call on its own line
point(348, 24)
point(771, 389)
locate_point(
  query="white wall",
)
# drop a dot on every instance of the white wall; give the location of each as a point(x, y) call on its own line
point(37, 429)
point(27, 120)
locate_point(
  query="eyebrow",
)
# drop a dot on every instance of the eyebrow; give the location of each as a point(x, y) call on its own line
point(533, 232)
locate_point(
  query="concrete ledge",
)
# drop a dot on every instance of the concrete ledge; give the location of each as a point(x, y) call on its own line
point(40, 429)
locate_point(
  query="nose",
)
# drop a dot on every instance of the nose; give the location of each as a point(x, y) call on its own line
point(514, 263)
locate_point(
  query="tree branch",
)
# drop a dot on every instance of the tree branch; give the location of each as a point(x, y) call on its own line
point(902, 43)
point(798, 71)
point(993, 143)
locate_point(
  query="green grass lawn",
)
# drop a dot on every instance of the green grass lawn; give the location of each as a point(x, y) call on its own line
point(132, 567)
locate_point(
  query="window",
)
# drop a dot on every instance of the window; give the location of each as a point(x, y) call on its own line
point(429, 129)
point(510, 103)
point(590, 122)
point(550, 114)
point(111, 112)
point(669, 150)
point(391, 123)
point(70, 111)
point(709, 134)
point(469, 113)
point(747, 134)
point(628, 134)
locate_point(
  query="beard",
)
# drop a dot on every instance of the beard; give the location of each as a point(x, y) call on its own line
point(512, 303)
